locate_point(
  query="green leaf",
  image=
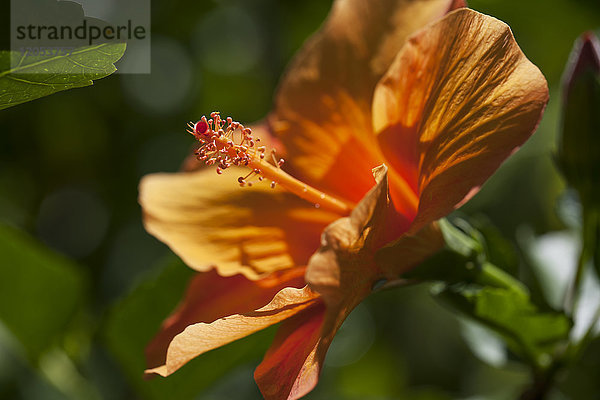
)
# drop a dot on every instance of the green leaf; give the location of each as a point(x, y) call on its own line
point(499, 250)
point(464, 240)
point(38, 76)
point(135, 320)
point(468, 282)
point(464, 260)
point(529, 332)
point(39, 291)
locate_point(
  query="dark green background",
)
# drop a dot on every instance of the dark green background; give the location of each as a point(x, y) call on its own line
point(69, 169)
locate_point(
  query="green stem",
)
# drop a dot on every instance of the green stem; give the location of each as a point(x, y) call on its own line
point(494, 276)
point(590, 236)
point(575, 351)
point(542, 384)
point(589, 244)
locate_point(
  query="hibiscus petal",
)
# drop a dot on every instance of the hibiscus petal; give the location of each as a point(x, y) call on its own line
point(342, 270)
point(408, 251)
point(209, 221)
point(322, 110)
point(351, 259)
point(457, 101)
point(210, 296)
point(199, 338)
point(291, 367)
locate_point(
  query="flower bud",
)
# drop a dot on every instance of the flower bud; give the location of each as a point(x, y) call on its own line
point(579, 140)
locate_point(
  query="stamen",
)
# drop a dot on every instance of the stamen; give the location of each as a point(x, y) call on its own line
point(221, 145)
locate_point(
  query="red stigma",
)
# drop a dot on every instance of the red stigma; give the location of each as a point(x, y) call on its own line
point(201, 127)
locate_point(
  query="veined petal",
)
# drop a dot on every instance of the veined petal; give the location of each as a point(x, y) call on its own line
point(343, 271)
point(291, 367)
point(322, 109)
point(210, 221)
point(210, 296)
point(457, 101)
point(199, 338)
point(369, 246)
point(408, 251)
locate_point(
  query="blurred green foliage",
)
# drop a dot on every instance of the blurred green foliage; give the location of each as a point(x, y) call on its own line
point(69, 168)
point(39, 291)
point(132, 324)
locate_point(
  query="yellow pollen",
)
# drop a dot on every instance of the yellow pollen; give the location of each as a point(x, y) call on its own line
point(226, 142)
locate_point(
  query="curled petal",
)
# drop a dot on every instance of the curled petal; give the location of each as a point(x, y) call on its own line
point(210, 296)
point(408, 251)
point(291, 367)
point(322, 109)
point(209, 221)
point(457, 101)
point(342, 269)
point(366, 248)
point(202, 337)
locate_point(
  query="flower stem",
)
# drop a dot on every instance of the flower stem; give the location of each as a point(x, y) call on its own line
point(590, 237)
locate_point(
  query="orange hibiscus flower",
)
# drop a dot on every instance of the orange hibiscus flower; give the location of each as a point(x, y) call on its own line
point(442, 108)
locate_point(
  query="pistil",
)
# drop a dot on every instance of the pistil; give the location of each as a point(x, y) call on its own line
point(226, 142)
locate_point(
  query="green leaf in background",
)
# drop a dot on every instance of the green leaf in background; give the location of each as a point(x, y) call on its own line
point(135, 320)
point(463, 260)
point(39, 76)
point(39, 291)
point(529, 332)
point(485, 344)
point(469, 283)
point(499, 250)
